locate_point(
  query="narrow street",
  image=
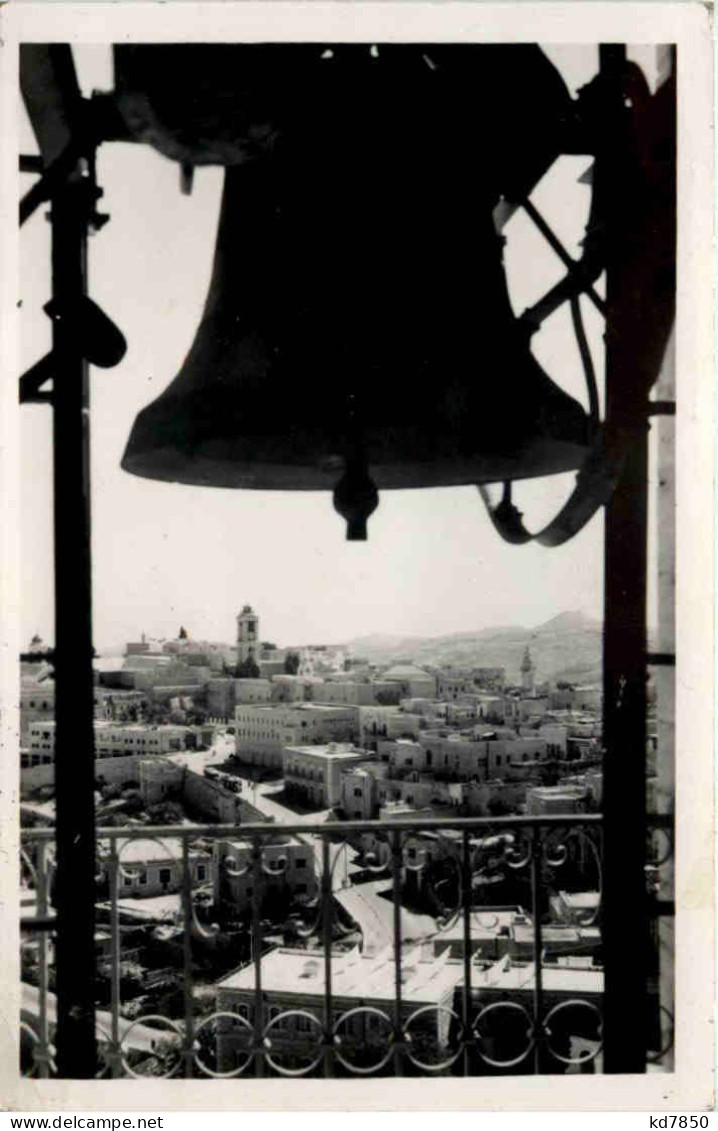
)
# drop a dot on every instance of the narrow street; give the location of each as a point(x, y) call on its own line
point(261, 795)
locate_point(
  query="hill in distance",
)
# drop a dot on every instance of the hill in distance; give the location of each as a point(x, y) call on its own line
point(566, 647)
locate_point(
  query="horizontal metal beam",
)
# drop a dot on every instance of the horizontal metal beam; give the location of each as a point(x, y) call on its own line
point(482, 825)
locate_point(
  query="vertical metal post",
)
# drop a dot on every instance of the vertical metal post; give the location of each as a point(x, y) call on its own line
point(536, 911)
point(257, 882)
point(466, 905)
point(327, 944)
point(624, 647)
point(188, 987)
point(75, 756)
point(115, 958)
point(42, 1055)
point(665, 682)
point(397, 861)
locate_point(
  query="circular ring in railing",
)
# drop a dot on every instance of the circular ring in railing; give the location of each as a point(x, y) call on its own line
point(310, 926)
point(555, 850)
point(229, 862)
point(495, 1007)
point(370, 855)
point(234, 1018)
point(656, 1058)
point(420, 857)
point(292, 1042)
point(25, 1027)
point(491, 925)
point(276, 867)
point(134, 868)
point(586, 844)
point(660, 858)
point(412, 1039)
point(369, 1011)
point(174, 1031)
point(574, 1003)
point(516, 852)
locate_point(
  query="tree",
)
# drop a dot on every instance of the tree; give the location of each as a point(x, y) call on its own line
point(133, 801)
point(166, 813)
point(183, 633)
point(291, 663)
point(386, 698)
point(247, 669)
point(498, 807)
point(110, 791)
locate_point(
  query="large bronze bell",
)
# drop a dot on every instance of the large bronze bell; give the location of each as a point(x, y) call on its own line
point(358, 322)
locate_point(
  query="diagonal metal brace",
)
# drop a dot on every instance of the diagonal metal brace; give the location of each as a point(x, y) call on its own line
point(31, 382)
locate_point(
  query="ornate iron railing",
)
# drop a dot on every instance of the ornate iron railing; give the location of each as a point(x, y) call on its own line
point(344, 948)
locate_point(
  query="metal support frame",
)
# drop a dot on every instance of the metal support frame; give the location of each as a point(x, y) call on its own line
point(624, 662)
point(74, 896)
point(624, 642)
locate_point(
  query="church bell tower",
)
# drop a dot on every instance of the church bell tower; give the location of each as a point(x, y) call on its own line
point(247, 635)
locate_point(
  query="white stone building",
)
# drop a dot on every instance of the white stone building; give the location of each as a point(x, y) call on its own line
point(262, 732)
point(313, 773)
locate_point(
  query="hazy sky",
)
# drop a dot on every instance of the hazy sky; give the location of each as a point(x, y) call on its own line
point(166, 554)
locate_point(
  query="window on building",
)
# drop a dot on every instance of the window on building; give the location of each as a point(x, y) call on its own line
point(357, 793)
point(201, 872)
point(301, 889)
point(301, 862)
point(142, 877)
point(127, 881)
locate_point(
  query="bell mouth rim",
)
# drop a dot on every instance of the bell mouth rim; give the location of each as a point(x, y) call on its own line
point(170, 465)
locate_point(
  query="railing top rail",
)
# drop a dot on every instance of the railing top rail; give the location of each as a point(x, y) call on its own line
point(329, 828)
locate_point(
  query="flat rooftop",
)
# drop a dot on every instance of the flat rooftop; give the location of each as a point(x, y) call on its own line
point(506, 977)
point(354, 975)
point(330, 752)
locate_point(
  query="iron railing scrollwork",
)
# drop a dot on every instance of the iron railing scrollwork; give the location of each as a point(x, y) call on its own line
point(506, 999)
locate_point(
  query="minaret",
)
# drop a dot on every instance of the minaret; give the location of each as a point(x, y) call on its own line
point(527, 673)
point(247, 635)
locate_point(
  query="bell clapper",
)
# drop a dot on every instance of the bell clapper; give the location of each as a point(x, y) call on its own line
point(356, 498)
